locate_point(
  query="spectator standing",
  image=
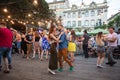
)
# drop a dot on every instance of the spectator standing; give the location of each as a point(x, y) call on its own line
point(23, 45)
point(18, 41)
point(29, 40)
point(36, 39)
point(45, 45)
point(85, 43)
point(119, 39)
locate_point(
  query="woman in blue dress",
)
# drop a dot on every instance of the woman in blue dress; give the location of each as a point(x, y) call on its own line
point(45, 45)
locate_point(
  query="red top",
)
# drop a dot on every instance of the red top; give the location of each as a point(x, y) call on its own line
point(6, 38)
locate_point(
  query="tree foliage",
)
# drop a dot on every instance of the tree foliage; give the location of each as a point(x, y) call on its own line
point(20, 9)
point(115, 22)
point(104, 26)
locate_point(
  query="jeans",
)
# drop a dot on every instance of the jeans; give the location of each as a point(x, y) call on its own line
point(5, 52)
point(10, 56)
point(119, 48)
point(110, 51)
point(85, 50)
point(0, 59)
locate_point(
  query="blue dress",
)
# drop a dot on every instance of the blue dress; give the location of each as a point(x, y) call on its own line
point(45, 44)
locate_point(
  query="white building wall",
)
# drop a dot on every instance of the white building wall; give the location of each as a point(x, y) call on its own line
point(62, 10)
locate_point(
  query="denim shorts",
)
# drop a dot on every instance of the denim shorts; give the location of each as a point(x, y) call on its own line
point(18, 45)
point(4, 51)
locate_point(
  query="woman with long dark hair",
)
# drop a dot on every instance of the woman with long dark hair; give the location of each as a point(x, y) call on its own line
point(23, 45)
point(100, 49)
point(53, 62)
point(72, 45)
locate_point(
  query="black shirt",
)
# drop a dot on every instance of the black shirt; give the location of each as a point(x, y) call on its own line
point(86, 38)
point(29, 37)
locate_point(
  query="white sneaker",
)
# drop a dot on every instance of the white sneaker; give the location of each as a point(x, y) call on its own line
point(100, 66)
point(52, 72)
point(97, 65)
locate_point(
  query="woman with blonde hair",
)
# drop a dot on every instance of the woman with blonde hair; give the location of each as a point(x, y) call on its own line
point(45, 45)
point(100, 49)
point(36, 39)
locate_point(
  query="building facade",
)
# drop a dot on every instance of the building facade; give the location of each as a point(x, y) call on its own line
point(59, 7)
point(83, 16)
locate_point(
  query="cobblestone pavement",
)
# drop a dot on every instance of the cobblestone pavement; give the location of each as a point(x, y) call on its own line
point(85, 69)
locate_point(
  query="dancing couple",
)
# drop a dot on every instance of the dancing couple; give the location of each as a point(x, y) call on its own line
point(62, 42)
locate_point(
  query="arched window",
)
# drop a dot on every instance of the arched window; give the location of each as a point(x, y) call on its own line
point(73, 15)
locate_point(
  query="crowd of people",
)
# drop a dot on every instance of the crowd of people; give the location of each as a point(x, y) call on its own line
point(56, 45)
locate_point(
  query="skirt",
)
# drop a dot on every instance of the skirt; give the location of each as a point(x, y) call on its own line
point(100, 49)
point(53, 61)
point(71, 47)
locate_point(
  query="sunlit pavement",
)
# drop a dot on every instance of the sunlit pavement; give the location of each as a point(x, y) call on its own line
point(85, 69)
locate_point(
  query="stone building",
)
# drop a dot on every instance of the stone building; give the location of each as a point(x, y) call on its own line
point(82, 16)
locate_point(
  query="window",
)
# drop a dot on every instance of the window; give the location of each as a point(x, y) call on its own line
point(74, 23)
point(64, 15)
point(79, 15)
point(61, 6)
point(74, 15)
point(68, 23)
point(86, 23)
point(99, 22)
point(92, 22)
point(69, 15)
point(98, 12)
point(79, 23)
point(86, 14)
point(92, 13)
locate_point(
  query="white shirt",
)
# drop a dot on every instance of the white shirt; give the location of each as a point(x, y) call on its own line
point(110, 36)
point(118, 37)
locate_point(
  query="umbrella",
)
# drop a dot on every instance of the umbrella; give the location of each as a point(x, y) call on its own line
point(79, 33)
point(98, 30)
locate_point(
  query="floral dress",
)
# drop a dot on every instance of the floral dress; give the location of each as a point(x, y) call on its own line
point(45, 44)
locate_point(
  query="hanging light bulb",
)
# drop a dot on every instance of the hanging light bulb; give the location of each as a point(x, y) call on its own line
point(35, 2)
point(5, 10)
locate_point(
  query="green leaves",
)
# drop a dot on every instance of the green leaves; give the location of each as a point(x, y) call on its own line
point(21, 8)
point(115, 21)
